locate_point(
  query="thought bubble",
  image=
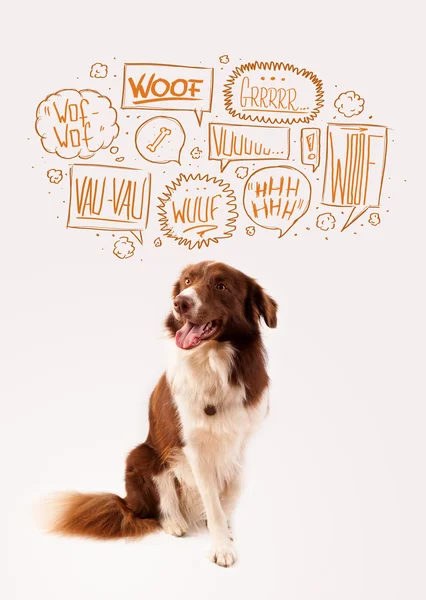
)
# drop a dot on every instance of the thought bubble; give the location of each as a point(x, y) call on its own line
point(148, 86)
point(349, 104)
point(98, 71)
point(110, 198)
point(196, 153)
point(374, 219)
point(310, 145)
point(196, 210)
point(75, 123)
point(277, 197)
point(273, 92)
point(355, 168)
point(124, 248)
point(160, 140)
point(241, 172)
point(326, 221)
point(54, 175)
point(229, 142)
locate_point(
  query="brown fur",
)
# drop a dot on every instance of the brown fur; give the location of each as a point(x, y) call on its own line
point(239, 308)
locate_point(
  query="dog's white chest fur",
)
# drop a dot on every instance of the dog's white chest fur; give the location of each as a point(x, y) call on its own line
point(199, 378)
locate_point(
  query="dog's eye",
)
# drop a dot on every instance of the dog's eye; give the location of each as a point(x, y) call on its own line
point(187, 281)
point(221, 287)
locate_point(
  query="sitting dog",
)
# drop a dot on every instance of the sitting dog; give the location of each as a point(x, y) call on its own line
point(201, 414)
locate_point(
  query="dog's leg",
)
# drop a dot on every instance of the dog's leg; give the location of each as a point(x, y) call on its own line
point(222, 552)
point(229, 498)
point(171, 519)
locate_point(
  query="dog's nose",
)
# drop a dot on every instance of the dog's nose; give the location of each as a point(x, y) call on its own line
point(183, 304)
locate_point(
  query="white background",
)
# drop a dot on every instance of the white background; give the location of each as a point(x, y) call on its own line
point(334, 502)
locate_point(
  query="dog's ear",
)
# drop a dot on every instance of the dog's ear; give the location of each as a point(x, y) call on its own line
point(176, 289)
point(260, 305)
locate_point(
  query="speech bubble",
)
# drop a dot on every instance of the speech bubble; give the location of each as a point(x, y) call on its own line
point(75, 123)
point(196, 210)
point(229, 142)
point(167, 87)
point(355, 167)
point(160, 140)
point(310, 146)
point(110, 198)
point(277, 197)
point(273, 92)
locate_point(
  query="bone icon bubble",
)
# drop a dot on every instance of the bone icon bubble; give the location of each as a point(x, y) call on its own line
point(160, 140)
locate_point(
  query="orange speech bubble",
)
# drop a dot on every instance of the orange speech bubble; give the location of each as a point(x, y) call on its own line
point(160, 140)
point(273, 92)
point(355, 167)
point(111, 198)
point(75, 123)
point(247, 142)
point(196, 210)
point(277, 197)
point(167, 87)
point(310, 145)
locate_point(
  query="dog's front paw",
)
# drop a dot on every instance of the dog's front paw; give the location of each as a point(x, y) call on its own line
point(173, 527)
point(223, 554)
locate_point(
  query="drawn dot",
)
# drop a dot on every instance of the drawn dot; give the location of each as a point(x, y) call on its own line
point(282, 78)
point(272, 79)
point(97, 235)
point(127, 116)
point(370, 117)
point(308, 228)
point(262, 78)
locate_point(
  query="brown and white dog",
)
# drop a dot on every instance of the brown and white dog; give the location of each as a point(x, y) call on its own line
point(201, 414)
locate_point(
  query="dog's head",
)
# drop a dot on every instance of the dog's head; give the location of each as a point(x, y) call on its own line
point(213, 301)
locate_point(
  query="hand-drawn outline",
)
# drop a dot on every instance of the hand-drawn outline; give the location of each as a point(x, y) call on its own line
point(273, 104)
point(286, 215)
point(126, 210)
point(197, 210)
point(160, 140)
point(349, 104)
point(241, 172)
point(355, 167)
point(75, 123)
point(374, 219)
point(54, 175)
point(326, 221)
point(98, 71)
point(224, 59)
point(310, 146)
point(124, 248)
point(235, 143)
point(196, 153)
point(158, 242)
point(168, 87)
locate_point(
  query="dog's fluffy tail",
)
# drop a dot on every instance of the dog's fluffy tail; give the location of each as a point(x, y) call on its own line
point(99, 516)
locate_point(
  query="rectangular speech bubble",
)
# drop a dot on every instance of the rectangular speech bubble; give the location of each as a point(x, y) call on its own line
point(355, 167)
point(228, 142)
point(310, 146)
point(110, 198)
point(152, 86)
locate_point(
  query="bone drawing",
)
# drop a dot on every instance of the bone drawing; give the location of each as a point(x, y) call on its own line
point(164, 132)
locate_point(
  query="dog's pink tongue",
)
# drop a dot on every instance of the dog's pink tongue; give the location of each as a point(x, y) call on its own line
point(189, 335)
